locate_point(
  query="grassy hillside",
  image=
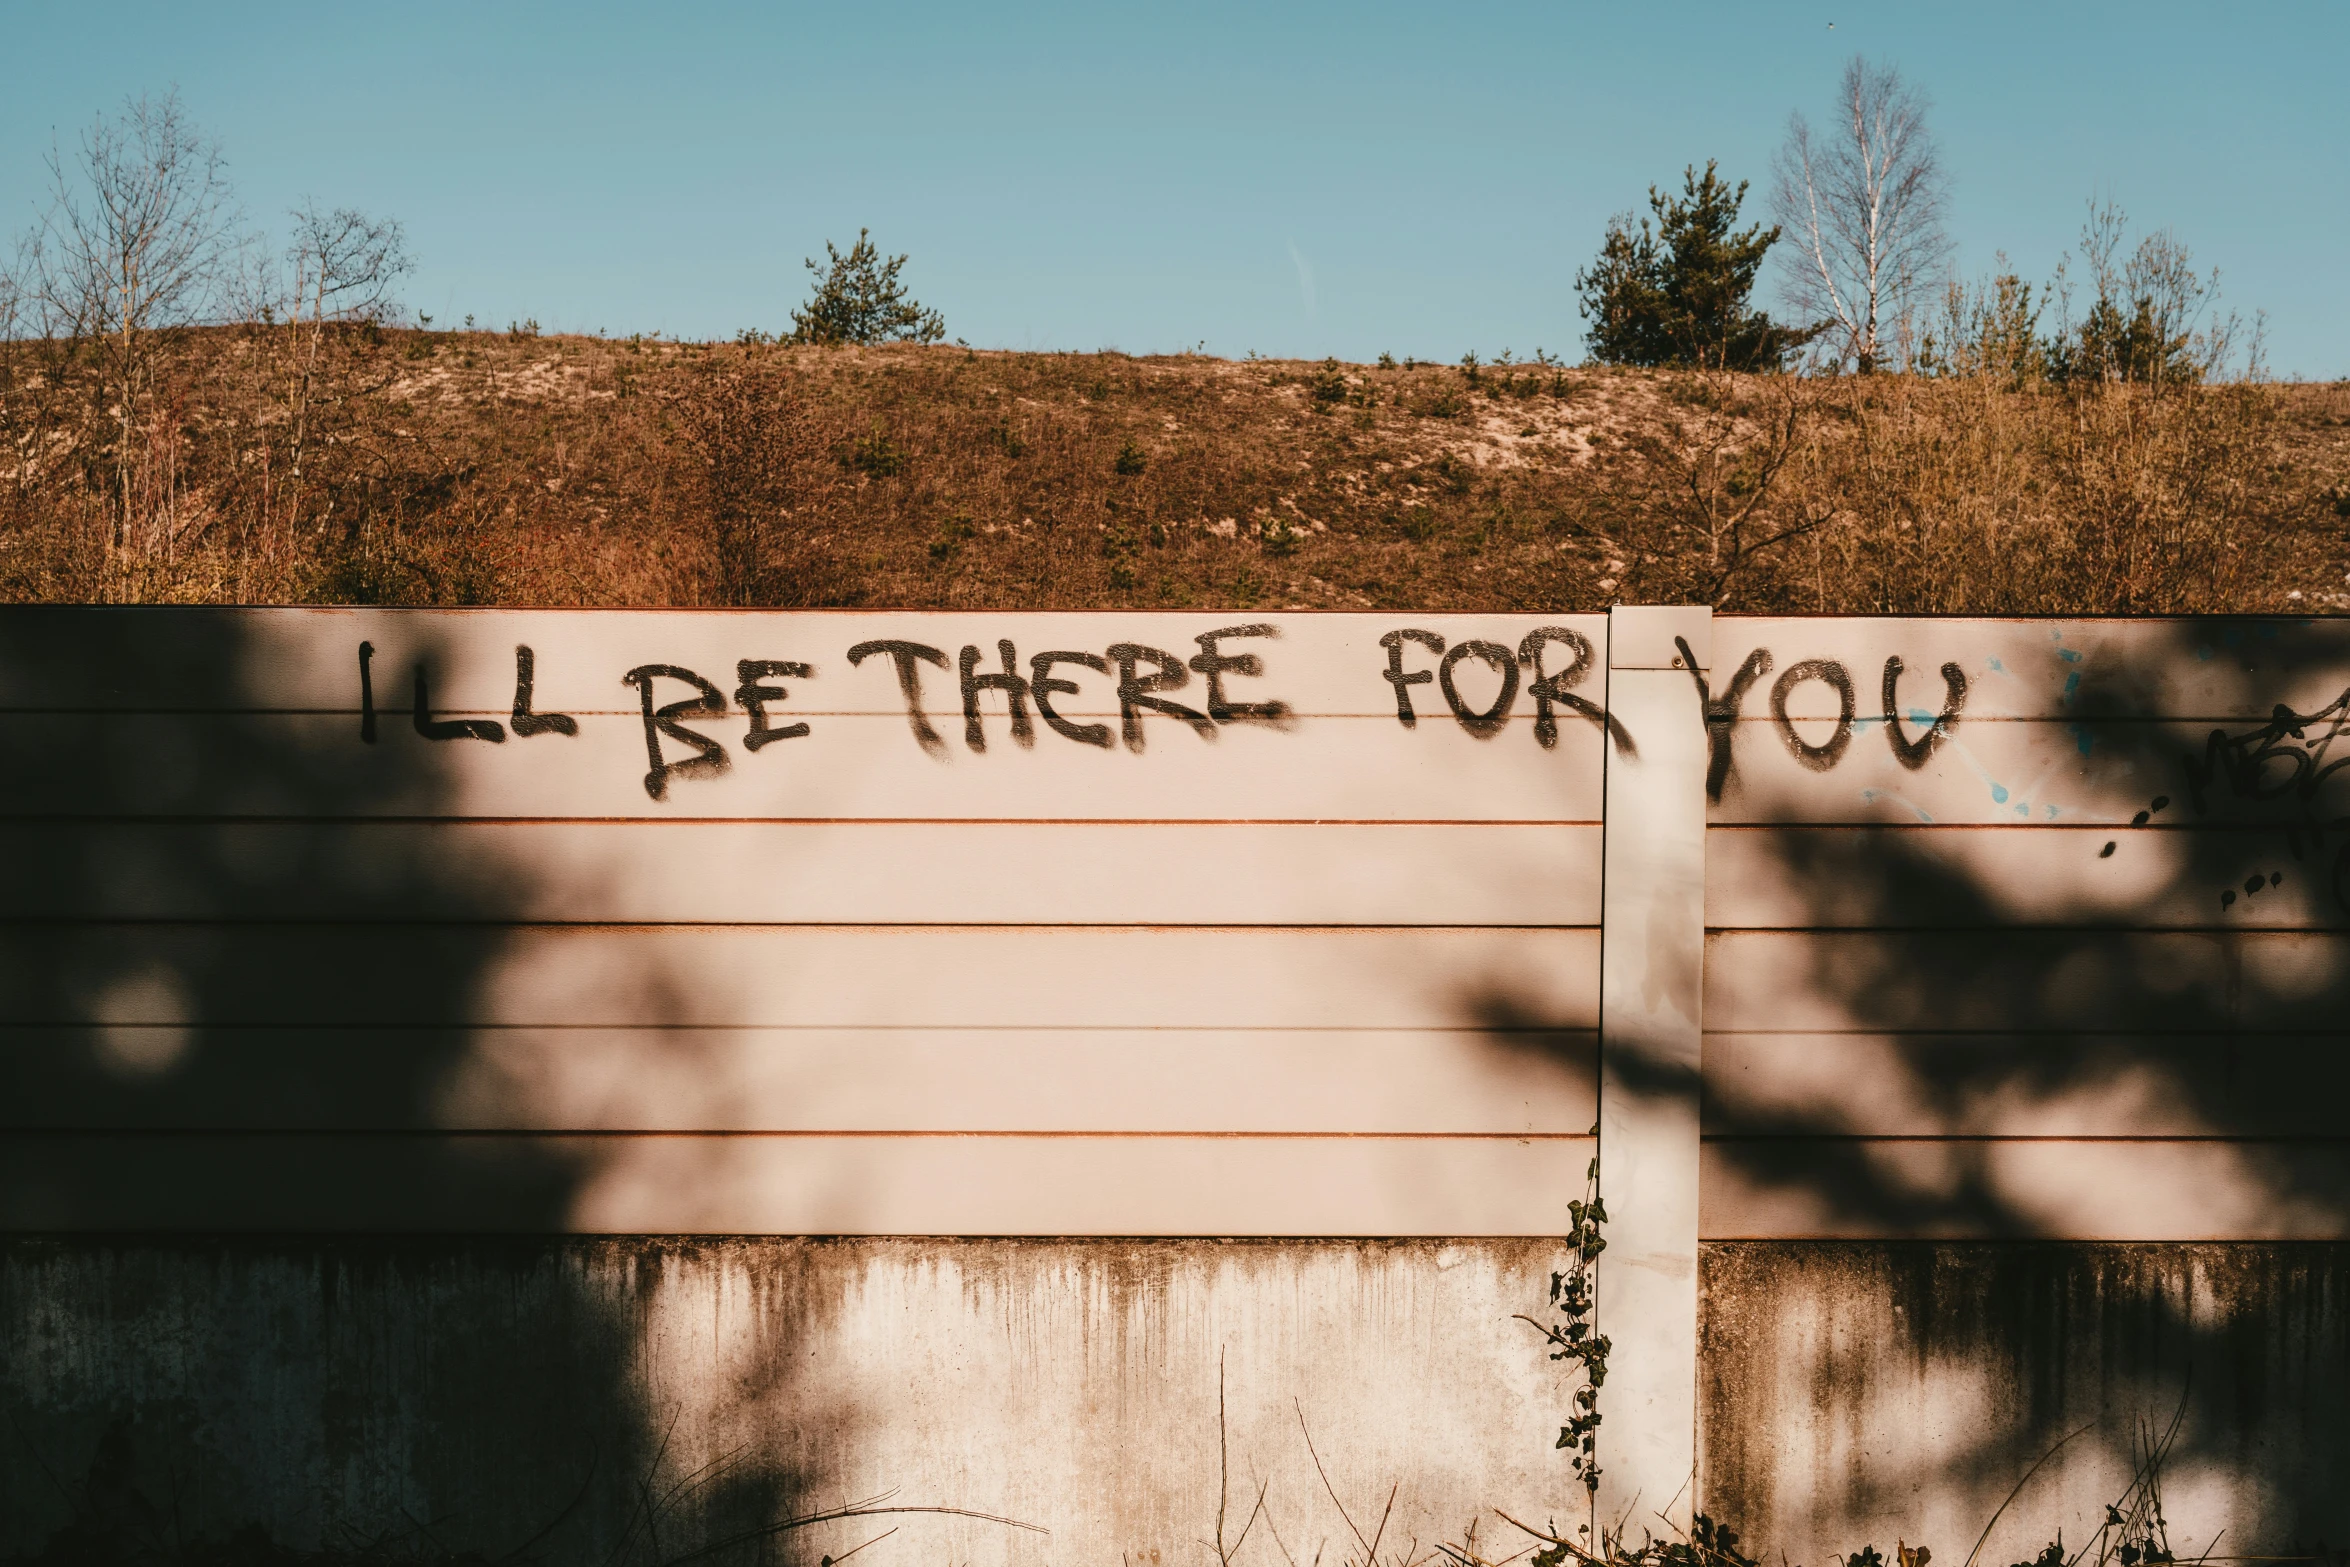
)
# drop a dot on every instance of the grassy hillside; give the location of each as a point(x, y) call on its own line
point(444, 468)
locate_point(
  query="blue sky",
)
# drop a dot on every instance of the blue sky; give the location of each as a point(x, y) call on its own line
point(1290, 179)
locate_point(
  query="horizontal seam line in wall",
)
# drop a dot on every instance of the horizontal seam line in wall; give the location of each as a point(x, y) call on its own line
point(994, 716)
point(387, 1133)
point(2024, 1137)
point(2115, 828)
point(2236, 1038)
point(159, 819)
point(1966, 721)
point(214, 1026)
point(776, 711)
point(2032, 928)
point(328, 922)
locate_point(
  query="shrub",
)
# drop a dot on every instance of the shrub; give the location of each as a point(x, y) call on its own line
point(859, 299)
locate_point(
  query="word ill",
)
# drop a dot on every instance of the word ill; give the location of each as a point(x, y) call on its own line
point(1142, 677)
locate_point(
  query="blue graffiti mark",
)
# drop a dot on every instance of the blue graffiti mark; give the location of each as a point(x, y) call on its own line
point(2085, 738)
point(2051, 812)
point(1999, 793)
point(2204, 653)
point(1918, 715)
point(2023, 810)
point(2072, 683)
point(2070, 655)
point(1997, 667)
point(1872, 796)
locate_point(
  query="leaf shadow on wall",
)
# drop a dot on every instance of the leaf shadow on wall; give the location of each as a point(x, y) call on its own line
point(256, 1280)
point(1963, 1088)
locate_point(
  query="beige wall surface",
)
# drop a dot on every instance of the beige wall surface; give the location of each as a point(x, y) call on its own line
point(798, 923)
point(2031, 929)
point(2018, 1048)
point(2027, 972)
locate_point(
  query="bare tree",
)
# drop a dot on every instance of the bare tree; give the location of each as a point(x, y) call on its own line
point(137, 240)
point(1862, 203)
point(342, 266)
point(1714, 461)
point(2151, 318)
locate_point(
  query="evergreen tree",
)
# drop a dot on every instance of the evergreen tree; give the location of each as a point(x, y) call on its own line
point(859, 299)
point(1673, 293)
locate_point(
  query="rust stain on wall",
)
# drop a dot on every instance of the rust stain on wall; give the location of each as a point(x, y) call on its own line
point(1856, 1391)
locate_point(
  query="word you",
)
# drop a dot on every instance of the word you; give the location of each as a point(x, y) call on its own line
point(1722, 713)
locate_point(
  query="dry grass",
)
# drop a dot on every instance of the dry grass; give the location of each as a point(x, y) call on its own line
point(475, 468)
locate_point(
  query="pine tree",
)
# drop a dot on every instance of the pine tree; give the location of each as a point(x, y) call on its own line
point(1672, 293)
point(859, 299)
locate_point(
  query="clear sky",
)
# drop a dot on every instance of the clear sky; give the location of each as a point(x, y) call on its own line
point(1294, 179)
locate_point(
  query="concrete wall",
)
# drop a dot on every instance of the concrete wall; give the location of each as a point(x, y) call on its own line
point(2014, 937)
point(1863, 1391)
point(490, 1389)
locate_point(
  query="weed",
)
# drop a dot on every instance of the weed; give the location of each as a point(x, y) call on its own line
point(1131, 459)
point(1442, 402)
point(1416, 523)
point(953, 534)
point(875, 455)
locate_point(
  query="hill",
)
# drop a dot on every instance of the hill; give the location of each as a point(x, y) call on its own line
point(418, 467)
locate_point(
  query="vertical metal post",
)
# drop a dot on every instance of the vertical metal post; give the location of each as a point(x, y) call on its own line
point(1652, 963)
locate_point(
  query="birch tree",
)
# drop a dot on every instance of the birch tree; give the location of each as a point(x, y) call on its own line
point(1861, 201)
point(342, 266)
point(138, 239)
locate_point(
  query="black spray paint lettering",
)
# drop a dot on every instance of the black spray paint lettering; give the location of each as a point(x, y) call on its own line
point(710, 757)
point(1135, 696)
point(1042, 684)
point(1721, 713)
point(2282, 760)
point(2279, 760)
point(754, 697)
point(904, 655)
point(366, 693)
point(1819, 758)
point(1215, 663)
point(1556, 689)
point(1486, 722)
point(526, 722)
point(1403, 683)
point(1010, 683)
point(450, 728)
point(1913, 754)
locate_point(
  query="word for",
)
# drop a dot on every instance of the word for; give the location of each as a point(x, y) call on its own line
point(1549, 690)
point(1721, 713)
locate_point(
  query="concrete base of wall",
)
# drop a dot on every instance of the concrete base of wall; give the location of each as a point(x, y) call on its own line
point(1851, 1393)
point(1861, 1392)
point(486, 1391)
